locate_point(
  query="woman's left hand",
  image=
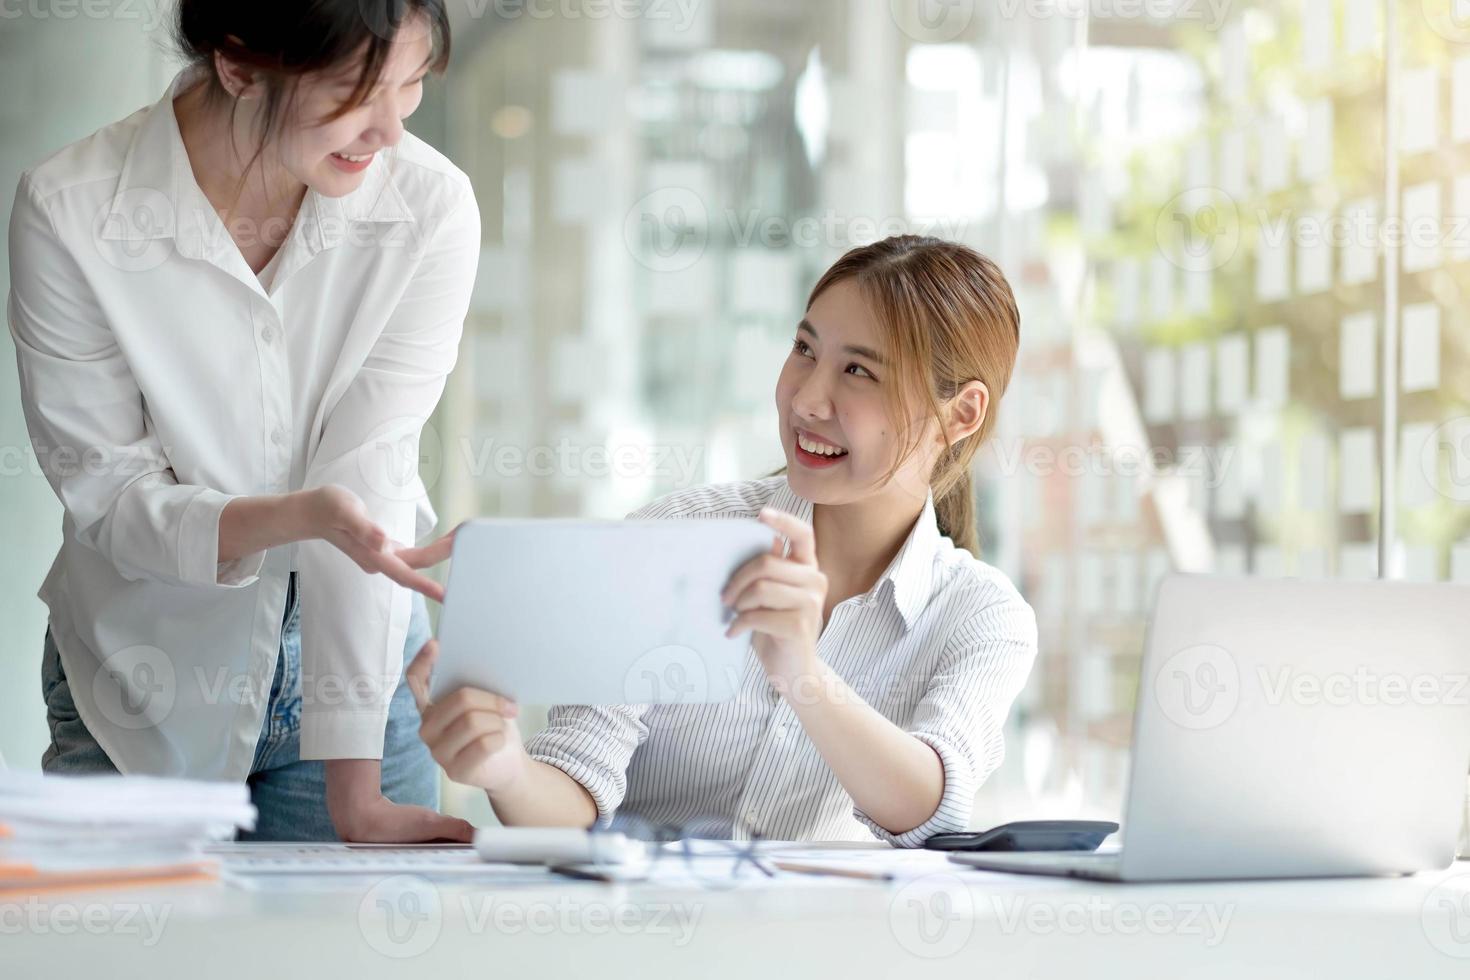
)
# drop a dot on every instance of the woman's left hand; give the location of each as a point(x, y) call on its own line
point(781, 599)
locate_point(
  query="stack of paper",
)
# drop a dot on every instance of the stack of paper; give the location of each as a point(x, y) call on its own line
point(85, 831)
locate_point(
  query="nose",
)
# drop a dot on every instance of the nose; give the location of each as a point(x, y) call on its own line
point(813, 400)
point(387, 123)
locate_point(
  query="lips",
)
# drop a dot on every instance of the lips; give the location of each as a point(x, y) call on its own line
point(350, 162)
point(815, 452)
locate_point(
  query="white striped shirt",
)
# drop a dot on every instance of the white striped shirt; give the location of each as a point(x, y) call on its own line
point(940, 646)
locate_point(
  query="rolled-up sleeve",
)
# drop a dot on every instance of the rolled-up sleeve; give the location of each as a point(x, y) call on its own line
point(593, 744)
point(963, 711)
point(89, 427)
point(354, 625)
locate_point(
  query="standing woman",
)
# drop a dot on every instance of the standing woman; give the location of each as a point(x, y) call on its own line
point(233, 312)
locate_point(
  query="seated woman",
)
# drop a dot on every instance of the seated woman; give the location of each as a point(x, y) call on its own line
point(886, 654)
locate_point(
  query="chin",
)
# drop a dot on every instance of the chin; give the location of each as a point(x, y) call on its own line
point(334, 183)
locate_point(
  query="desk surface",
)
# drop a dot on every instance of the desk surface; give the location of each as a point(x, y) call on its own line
point(941, 921)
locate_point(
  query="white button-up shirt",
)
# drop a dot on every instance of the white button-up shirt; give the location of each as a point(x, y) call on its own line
point(940, 646)
point(161, 379)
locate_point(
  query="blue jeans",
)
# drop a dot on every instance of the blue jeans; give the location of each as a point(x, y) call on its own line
point(289, 792)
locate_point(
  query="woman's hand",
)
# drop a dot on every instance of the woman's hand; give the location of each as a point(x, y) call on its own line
point(471, 733)
point(780, 600)
point(331, 513)
point(362, 814)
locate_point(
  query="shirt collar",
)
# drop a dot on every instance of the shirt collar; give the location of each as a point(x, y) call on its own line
point(909, 577)
point(157, 196)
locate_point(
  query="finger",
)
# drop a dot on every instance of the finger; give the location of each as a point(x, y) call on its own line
point(430, 554)
point(363, 530)
point(444, 712)
point(768, 567)
point(766, 594)
point(772, 622)
point(441, 827)
point(471, 757)
point(399, 824)
point(465, 729)
point(392, 566)
point(420, 671)
point(798, 533)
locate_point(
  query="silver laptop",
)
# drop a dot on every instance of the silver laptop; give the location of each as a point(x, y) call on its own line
point(1290, 729)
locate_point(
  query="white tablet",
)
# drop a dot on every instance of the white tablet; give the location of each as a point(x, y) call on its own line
point(595, 612)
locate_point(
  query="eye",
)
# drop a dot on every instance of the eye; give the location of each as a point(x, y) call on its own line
point(801, 347)
point(865, 372)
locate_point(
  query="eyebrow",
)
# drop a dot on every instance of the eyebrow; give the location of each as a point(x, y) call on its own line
point(867, 352)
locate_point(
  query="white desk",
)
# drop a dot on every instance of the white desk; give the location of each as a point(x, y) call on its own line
point(958, 923)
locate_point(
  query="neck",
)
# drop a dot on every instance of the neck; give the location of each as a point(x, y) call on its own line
point(857, 541)
point(220, 145)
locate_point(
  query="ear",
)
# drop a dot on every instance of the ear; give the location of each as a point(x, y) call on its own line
point(967, 410)
point(239, 80)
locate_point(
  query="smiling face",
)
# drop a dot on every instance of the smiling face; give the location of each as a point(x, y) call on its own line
point(840, 441)
point(331, 156)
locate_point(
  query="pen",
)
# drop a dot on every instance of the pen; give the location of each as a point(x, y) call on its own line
point(819, 869)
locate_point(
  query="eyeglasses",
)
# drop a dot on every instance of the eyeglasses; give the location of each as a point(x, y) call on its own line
point(712, 862)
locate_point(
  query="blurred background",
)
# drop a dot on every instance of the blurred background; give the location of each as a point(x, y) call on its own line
point(1193, 200)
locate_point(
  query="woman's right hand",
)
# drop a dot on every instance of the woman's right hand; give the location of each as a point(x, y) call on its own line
point(471, 733)
point(331, 513)
point(337, 515)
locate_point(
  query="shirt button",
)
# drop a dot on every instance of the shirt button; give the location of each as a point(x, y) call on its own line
point(780, 731)
point(278, 436)
point(267, 335)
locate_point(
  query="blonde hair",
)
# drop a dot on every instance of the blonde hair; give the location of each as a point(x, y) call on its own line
point(948, 317)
